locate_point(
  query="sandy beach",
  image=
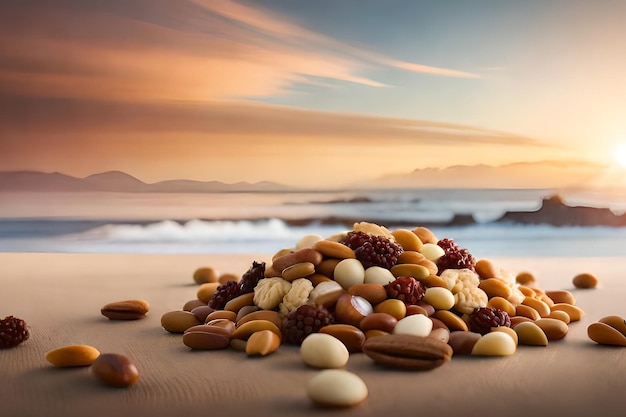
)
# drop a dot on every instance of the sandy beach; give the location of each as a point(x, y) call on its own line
point(60, 296)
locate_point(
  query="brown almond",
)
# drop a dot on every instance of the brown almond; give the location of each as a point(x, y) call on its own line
point(207, 337)
point(375, 333)
point(245, 330)
point(317, 279)
point(206, 291)
point(527, 291)
point(585, 280)
point(542, 308)
point(604, 334)
point(407, 239)
point(495, 287)
point(525, 278)
point(527, 311)
point(410, 270)
point(221, 314)
point(553, 328)
point(327, 267)
point(302, 255)
point(372, 292)
point(561, 296)
point(575, 313)
point(332, 249)
point(503, 304)
point(73, 355)
point(617, 322)
point(115, 370)
point(410, 257)
point(486, 269)
point(191, 304)
point(560, 315)
point(299, 270)
point(378, 321)
point(425, 234)
point(178, 321)
point(408, 352)
point(451, 320)
point(462, 343)
point(262, 343)
point(240, 301)
point(204, 275)
point(433, 280)
point(269, 315)
point(352, 337)
point(126, 310)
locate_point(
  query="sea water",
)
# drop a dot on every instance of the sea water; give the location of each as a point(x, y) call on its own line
point(219, 223)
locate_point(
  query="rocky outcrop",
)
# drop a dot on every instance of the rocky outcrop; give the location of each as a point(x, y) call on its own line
point(555, 212)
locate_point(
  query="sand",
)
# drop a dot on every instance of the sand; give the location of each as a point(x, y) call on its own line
point(60, 296)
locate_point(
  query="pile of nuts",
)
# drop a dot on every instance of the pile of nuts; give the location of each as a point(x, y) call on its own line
point(404, 298)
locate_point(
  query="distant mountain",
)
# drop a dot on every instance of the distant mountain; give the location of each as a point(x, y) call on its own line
point(117, 181)
point(542, 174)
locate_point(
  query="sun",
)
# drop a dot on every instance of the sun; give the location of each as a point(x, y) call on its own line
point(620, 155)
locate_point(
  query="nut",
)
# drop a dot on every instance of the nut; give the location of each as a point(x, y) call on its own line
point(495, 344)
point(115, 370)
point(604, 334)
point(585, 280)
point(352, 337)
point(336, 388)
point(126, 310)
point(351, 309)
point(204, 275)
point(262, 343)
point(73, 355)
point(405, 351)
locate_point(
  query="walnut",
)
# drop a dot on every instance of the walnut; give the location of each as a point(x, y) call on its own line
point(269, 292)
point(298, 295)
point(516, 296)
point(464, 285)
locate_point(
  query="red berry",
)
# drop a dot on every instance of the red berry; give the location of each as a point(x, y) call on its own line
point(483, 319)
point(13, 331)
point(454, 257)
point(373, 250)
point(406, 289)
point(303, 321)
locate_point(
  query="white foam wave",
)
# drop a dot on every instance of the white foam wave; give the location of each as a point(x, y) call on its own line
point(202, 231)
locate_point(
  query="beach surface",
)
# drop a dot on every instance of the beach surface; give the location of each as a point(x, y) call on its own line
point(60, 296)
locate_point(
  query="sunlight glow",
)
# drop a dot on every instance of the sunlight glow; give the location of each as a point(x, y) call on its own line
point(620, 155)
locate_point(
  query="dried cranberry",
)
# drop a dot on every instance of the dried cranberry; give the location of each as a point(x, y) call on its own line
point(454, 257)
point(373, 250)
point(251, 277)
point(224, 294)
point(406, 289)
point(483, 319)
point(303, 321)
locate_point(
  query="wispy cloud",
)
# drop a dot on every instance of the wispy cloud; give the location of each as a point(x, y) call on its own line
point(271, 23)
point(239, 120)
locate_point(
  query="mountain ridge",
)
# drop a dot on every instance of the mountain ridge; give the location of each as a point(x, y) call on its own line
point(119, 181)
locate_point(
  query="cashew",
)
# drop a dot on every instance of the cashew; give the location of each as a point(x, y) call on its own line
point(298, 295)
point(464, 285)
point(269, 292)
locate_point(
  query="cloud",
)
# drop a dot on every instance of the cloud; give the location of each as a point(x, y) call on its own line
point(239, 120)
point(208, 50)
point(278, 26)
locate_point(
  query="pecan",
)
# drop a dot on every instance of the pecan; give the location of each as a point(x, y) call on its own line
point(407, 352)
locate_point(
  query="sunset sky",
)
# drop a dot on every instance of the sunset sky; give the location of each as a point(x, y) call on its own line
point(307, 92)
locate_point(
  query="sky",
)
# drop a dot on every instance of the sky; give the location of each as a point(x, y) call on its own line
point(312, 93)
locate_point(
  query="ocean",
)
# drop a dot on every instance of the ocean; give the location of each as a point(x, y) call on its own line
point(221, 223)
